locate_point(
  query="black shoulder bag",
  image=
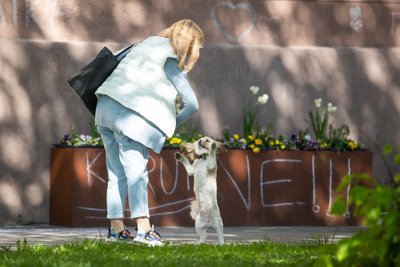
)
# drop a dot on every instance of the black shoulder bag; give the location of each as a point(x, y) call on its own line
point(91, 76)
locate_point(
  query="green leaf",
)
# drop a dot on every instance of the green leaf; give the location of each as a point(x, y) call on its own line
point(339, 206)
point(324, 125)
point(396, 239)
point(387, 149)
point(324, 261)
point(317, 120)
point(312, 122)
point(343, 251)
point(396, 177)
point(344, 183)
point(372, 217)
point(359, 194)
point(396, 159)
point(380, 248)
point(390, 221)
point(382, 196)
point(363, 176)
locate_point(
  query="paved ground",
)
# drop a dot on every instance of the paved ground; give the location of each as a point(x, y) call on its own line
point(52, 235)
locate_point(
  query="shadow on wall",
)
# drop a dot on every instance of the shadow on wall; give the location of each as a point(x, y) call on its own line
point(295, 52)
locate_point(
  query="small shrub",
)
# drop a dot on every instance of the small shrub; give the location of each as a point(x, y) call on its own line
point(379, 205)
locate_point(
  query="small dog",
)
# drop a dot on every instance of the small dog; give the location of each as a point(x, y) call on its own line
point(204, 209)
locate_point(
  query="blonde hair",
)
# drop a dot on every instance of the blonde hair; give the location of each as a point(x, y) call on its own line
point(186, 38)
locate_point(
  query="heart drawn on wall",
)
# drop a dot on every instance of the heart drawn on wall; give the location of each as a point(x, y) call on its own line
point(234, 21)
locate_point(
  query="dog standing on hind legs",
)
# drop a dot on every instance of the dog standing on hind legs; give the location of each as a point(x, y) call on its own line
point(204, 209)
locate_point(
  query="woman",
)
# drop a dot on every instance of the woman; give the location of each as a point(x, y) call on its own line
point(136, 111)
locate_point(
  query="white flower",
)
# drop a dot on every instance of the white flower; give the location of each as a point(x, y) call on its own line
point(254, 89)
point(262, 99)
point(332, 109)
point(318, 102)
point(307, 137)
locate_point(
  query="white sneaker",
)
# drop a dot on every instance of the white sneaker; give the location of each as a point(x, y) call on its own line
point(151, 238)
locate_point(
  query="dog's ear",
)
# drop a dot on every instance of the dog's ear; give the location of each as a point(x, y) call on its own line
point(187, 149)
point(221, 147)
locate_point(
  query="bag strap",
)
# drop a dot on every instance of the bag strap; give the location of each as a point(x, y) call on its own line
point(124, 51)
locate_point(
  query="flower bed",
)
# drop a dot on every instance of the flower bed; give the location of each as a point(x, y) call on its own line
point(324, 137)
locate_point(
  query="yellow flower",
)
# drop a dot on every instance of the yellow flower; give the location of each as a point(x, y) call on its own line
point(352, 144)
point(324, 145)
point(277, 142)
point(175, 141)
point(200, 135)
point(271, 143)
point(250, 137)
point(236, 137)
point(243, 141)
point(252, 146)
point(256, 150)
point(282, 147)
point(258, 141)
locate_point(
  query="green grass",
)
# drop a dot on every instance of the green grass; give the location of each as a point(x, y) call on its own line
point(98, 253)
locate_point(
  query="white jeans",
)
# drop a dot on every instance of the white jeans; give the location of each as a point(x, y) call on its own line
point(126, 162)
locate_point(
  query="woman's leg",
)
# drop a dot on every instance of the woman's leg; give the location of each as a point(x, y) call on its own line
point(134, 157)
point(117, 182)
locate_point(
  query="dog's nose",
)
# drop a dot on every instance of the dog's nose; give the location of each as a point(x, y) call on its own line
point(214, 146)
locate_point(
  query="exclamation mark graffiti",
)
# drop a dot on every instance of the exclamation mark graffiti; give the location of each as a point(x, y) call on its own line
point(315, 207)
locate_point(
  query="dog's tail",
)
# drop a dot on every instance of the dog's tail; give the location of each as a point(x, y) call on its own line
point(194, 209)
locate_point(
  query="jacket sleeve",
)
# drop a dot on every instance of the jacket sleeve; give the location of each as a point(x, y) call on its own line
point(180, 81)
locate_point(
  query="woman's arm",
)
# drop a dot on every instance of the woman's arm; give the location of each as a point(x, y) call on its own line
point(179, 79)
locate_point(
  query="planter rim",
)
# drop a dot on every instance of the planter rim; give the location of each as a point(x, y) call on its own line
point(232, 149)
point(66, 146)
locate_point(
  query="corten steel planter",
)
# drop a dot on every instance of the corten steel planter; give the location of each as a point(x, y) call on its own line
point(266, 189)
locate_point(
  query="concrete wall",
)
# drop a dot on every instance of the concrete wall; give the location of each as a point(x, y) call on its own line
point(346, 52)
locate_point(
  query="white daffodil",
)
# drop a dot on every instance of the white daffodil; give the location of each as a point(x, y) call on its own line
point(331, 109)
point(254, 89)
point(318, 102)
point(263, 99)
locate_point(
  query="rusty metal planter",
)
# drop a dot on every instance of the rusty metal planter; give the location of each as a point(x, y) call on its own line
point(265, 189)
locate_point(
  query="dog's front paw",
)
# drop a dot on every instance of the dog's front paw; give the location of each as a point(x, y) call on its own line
point(178, 156)
point(214, 146)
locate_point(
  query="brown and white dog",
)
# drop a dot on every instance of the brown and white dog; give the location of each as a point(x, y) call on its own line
point(199, 160)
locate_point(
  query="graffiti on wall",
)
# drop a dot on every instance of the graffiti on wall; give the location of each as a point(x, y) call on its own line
point(256, 187)
point(356, 18)
point(231, 13)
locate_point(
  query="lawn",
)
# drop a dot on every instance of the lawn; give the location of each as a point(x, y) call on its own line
point(98, 253)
